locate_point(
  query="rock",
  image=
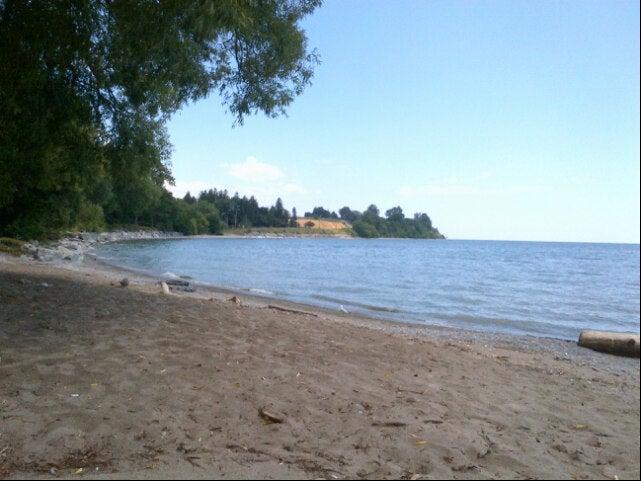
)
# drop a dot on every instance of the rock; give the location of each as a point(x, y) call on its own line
point(235, 300)
point(561, 448)
point(271, 416)
point(124, 282)
point(65, 253)
point(46, 255)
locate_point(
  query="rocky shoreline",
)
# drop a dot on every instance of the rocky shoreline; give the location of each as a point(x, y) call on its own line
point(73, 248)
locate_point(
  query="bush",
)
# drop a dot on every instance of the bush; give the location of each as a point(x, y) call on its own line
point(212, 216)
point(90, 217)
point(364, 229)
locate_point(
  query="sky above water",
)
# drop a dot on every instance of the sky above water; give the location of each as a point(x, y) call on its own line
point(500, 119)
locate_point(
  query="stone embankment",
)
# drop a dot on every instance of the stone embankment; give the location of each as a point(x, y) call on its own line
point(73, 248)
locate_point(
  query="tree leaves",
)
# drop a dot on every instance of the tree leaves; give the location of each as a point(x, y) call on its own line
point(87, 87)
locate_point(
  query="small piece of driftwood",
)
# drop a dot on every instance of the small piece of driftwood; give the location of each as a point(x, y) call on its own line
point(271, 416)
point(390, 424)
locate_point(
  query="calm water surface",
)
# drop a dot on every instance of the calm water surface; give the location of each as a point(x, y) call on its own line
point(543, 289)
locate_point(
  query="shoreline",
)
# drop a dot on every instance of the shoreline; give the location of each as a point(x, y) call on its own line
point(565, 349)
point(373, 315)
point(91, 263)
point(111, 382)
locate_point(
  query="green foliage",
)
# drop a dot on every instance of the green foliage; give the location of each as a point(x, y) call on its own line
point(395, 224)
point(88, 86)
point(293, 219)
point(349, 215)
point(321, 213)
point(211, 214)
point(11, 246)
point(90, 217)
point(364, 229)
point(242, 212)
point(189, 221)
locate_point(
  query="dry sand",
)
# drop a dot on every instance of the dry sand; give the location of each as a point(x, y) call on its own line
point(327, 224)
point(102, 381)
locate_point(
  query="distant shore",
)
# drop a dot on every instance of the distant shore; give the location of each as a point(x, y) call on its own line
point(272, 232)
point(111, 381)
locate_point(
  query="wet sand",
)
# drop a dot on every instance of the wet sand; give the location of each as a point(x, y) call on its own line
point(97, 380)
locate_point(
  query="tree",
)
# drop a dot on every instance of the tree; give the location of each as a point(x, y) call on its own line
point(212, 215)
point(423, 220)
point(371, 215)
point(364, 229)
point(190, 199)
point(319, 213)
point(88, 86)
point(347, 214)
point(293, 222)
point(279, 215)
point(395, 214)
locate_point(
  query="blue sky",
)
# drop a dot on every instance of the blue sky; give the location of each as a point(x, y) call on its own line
point(500, 119)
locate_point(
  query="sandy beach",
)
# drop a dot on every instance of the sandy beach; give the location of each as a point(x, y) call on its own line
point(103, 381)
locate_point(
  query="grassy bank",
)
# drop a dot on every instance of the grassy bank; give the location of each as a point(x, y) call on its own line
point(11, 246)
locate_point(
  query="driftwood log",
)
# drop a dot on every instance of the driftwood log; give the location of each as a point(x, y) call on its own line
point(621, 344)
point(293, 311)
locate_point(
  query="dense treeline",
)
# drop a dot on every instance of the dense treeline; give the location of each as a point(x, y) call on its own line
point(243, 212)
point(394, 224)
point(86, 89)
point(239, 211)
point(321, 213)
point(370, 223)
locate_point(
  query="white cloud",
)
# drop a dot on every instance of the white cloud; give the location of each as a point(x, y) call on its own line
point(251, 177)
point(194, 187)
point(292, 188)
point(253, 170)
point(264, 181)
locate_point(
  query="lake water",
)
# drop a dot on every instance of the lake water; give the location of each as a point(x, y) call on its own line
point(542, 289)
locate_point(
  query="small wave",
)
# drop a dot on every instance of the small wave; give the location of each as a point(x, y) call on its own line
point(261, 291)
point(369, 307)
point(171, 275)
